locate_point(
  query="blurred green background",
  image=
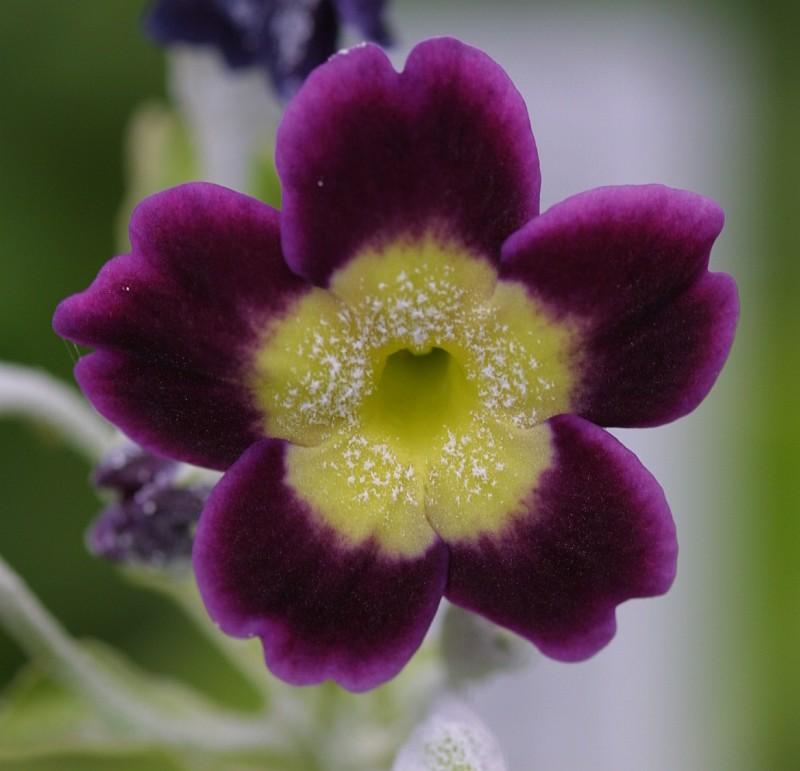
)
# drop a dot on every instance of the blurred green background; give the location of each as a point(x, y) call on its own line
point(72, 74)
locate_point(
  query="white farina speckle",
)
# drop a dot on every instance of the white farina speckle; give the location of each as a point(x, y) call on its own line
point(339, 364)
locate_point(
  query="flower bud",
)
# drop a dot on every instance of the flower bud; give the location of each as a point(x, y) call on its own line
point(473, 647)
point(452, 738)
point(155, 526)
point(152, 521)
point(128, 468)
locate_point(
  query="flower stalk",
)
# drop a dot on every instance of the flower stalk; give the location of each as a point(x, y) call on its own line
point(41, 636)
point(28, 393)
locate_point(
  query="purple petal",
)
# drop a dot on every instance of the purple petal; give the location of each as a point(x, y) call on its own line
point(176, 322)
point(596, 531)
point(267, 565)
point(185, 415)
point(367, 155)
point(629, 266)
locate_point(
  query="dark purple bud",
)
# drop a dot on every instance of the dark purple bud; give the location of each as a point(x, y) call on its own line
point(288, 38)
point(299, 37)
point(204, 22)
point(368, 17)
point(154, 527)
point(127, 469)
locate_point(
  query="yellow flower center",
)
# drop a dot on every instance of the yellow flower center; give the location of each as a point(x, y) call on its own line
point(418, 396)
point(411, 389)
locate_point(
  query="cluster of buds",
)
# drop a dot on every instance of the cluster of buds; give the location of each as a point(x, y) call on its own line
point(153, 517)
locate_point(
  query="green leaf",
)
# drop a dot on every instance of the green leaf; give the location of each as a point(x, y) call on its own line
point(40, 718)
point(135, 762)
point(45, 727)
point(264, 183)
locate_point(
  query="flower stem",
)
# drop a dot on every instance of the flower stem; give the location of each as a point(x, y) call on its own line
point(282, 702)
point(43, 638)
point(32, 394)
point(181, 590)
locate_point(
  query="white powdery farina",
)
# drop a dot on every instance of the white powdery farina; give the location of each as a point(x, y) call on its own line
point(373, 471)
point(417, 310)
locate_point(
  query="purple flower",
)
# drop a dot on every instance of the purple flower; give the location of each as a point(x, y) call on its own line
point(288, 38)
point(404, 373)
point(153, 520)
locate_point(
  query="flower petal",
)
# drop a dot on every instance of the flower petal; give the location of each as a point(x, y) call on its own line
point(177, 322)
point(594, 531)
point(367, 156)
point(178, 413)
point(629, 265)
point(268, 564)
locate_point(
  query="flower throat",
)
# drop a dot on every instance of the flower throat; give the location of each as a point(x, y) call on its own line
point(418, 396)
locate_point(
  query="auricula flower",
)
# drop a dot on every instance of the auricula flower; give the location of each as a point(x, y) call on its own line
point(288, 38)
point(404, 373)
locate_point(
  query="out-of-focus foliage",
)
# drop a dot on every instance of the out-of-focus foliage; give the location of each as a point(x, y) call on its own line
point(772, 487)
point(73, 75)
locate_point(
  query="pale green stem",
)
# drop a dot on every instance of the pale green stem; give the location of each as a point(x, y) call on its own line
point(182, 590)
point(28, 393)
point(42, 637)
point(332, 740)
point(286, 702)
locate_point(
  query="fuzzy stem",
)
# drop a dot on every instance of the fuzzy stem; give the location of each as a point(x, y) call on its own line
point(283, 702)
point(180, 589)
point(32, 394)
point(43, 638)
